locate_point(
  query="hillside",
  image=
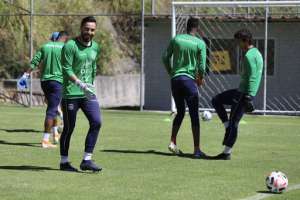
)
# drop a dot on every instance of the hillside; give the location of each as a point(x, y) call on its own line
point(119, 36)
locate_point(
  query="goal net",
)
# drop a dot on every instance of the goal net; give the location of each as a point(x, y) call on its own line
point(275, 27)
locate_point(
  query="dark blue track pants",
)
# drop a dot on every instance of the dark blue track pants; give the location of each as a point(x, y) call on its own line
point(91, 109)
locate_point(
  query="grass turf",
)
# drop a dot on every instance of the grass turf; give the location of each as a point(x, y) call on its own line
point(132, 149)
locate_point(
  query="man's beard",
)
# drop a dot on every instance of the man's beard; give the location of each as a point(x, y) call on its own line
point(86, 37)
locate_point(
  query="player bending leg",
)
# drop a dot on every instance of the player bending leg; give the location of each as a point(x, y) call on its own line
point(241, 99)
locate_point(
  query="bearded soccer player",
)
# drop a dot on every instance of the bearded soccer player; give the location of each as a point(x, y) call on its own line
point(189, 63)
point(240, 99)
point(79, 58)
point(48, 58)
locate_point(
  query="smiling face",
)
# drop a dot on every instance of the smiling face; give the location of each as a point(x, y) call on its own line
point(88, 31)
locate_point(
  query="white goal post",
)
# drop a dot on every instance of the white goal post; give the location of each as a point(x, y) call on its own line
point(218, 21)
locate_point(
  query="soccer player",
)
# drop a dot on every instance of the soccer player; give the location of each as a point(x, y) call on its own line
point(79, 58)
point(48, 58)
point(189, 63)
point(240, 99)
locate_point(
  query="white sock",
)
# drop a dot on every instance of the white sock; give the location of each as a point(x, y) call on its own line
point(87, 156)
point(226, 124)
point(64, 159)
point(46, 136)
point(227, 150)
point(54, 129)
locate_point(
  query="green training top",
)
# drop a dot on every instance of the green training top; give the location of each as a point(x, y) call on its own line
point(189, 56)
point(251, 72)
point(50, 57)
point(81, 61)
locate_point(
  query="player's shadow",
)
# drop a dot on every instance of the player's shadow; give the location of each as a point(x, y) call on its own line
point(27, 168)
point(265, 192)
point(20, 130)
point(138, 152)
point(3, 142)
point(153, 152)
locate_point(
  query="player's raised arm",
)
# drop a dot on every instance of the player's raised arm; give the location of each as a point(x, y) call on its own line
point(166, 57)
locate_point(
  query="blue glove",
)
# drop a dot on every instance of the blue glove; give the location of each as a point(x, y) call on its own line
point(22, 82)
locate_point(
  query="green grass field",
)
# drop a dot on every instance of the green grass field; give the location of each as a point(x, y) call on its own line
point(132, 149)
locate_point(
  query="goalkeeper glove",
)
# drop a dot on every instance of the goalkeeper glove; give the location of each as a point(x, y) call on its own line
point(87, 88)
point(248, 103)
point(22, 82)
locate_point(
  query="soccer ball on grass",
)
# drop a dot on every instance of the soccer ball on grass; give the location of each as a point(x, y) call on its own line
point(206, 115)
point(277, 182)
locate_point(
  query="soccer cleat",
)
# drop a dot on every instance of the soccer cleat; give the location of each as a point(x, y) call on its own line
point(174, 149)
point(56, 137)
point(47, 144)
point(222, 156)
point(67, 167)
point(199, 154)
point(89, 165)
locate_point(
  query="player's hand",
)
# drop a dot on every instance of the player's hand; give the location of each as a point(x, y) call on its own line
point(248, 103)
point(22, 82)
point(87, 88)
point(199, 80)
point(89, 91)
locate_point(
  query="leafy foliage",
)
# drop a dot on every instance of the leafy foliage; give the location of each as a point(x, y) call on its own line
point(14, 31)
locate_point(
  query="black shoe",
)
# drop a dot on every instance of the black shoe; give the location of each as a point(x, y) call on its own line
point(222, 156)
point(89, 165)
point(199, 155)
point(67, 167)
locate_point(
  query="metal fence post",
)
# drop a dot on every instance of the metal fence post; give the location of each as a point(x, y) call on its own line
point(266, 59)
point(153, 7)
point(142, 57)
point(30, 47)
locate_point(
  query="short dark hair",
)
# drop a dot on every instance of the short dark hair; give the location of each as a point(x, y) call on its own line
point(62, 33)
point(243, 34)
point(88, 19)
point(192, 23)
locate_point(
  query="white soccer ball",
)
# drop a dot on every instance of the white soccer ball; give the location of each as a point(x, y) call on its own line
point(277, 182)
point(206, 115)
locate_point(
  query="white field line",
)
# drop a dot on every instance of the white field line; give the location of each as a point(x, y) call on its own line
point(264, 196)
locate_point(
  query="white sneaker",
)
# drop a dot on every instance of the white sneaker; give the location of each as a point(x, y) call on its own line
point(174, 149)
point(56, 137)
point(47, 144)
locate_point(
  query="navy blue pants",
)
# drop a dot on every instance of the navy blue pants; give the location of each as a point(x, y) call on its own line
point(91, 109)
point(185, 91)
point(53, 94)
point(235, 99)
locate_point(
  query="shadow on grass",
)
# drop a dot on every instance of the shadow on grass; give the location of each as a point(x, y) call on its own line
point(151, 152)
point(27, 168)
point(2, 142)
point(266, 192)
point(20, 130)
point(39, 168)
